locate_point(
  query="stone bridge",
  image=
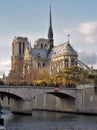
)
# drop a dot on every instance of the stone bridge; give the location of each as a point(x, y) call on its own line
point(28, 92)
point(82, 99)
point(22, 96)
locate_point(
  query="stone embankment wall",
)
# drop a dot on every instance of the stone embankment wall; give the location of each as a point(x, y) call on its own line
point(53, 103)
point(86, 101)
point(5, 102)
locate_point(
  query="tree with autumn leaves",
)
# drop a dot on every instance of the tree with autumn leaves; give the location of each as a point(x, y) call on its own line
point(71, 77)
point(37, 77)
point(68, 77)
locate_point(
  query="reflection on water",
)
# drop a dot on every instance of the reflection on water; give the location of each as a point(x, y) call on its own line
point(41, 120)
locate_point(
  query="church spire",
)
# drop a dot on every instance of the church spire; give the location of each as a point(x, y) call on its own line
point(68, 38)
point(50, 32)
point(50, 18)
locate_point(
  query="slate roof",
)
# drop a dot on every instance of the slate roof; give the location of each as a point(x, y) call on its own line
point(63, 49)
point(39, 53)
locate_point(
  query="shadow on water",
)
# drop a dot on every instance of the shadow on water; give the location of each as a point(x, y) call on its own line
point(45, 120)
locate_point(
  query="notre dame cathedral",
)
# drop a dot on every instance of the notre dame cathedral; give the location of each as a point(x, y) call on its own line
point(43, 55)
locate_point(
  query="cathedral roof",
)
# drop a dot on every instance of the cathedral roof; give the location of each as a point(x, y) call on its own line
point(63, 49)
point(39, 53)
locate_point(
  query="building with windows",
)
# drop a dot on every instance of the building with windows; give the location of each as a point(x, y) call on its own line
point(43, 55)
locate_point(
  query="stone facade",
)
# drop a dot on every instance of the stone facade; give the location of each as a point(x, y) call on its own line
point(19, 45)
point(44, 55)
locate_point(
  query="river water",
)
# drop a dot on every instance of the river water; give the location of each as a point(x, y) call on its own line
point(44, 120)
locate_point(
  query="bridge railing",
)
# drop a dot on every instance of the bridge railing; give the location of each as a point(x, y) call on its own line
point(82, 86)
point(38, 87)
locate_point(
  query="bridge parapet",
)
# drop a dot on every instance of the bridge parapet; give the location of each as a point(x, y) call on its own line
point(32, 91)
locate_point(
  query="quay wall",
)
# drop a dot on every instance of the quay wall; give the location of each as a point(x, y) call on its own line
point(53, 103)
point(85, 102)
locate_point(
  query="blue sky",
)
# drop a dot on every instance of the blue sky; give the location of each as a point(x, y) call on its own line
point(30, 18)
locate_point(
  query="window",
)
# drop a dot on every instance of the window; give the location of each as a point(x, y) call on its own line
point(45, 45)
point(66, 63)
point(39, 65)
point(72, 61)
point(41, 46)
point(23, 47)
point(19, 48)
point(43, 64)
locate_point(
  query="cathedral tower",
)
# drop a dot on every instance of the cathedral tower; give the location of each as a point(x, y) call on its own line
point(50, 33)
point(18, 47)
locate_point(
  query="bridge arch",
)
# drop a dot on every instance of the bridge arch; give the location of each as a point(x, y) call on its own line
point(10, 95)
point(62, 95)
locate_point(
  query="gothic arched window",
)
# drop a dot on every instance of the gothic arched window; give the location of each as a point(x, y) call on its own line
point(19, 48)
point(45, 46)
point(43, 64)
point(41, 46)
point(66, 63)
point(39, 65)
point(23, 47)
point(72, 61)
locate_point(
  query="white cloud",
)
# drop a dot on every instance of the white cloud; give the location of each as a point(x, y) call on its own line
point(84, 32)
point(5, 67)
point(88, 58)
point(5, 63)
point(81, 37)
point(88, 31)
